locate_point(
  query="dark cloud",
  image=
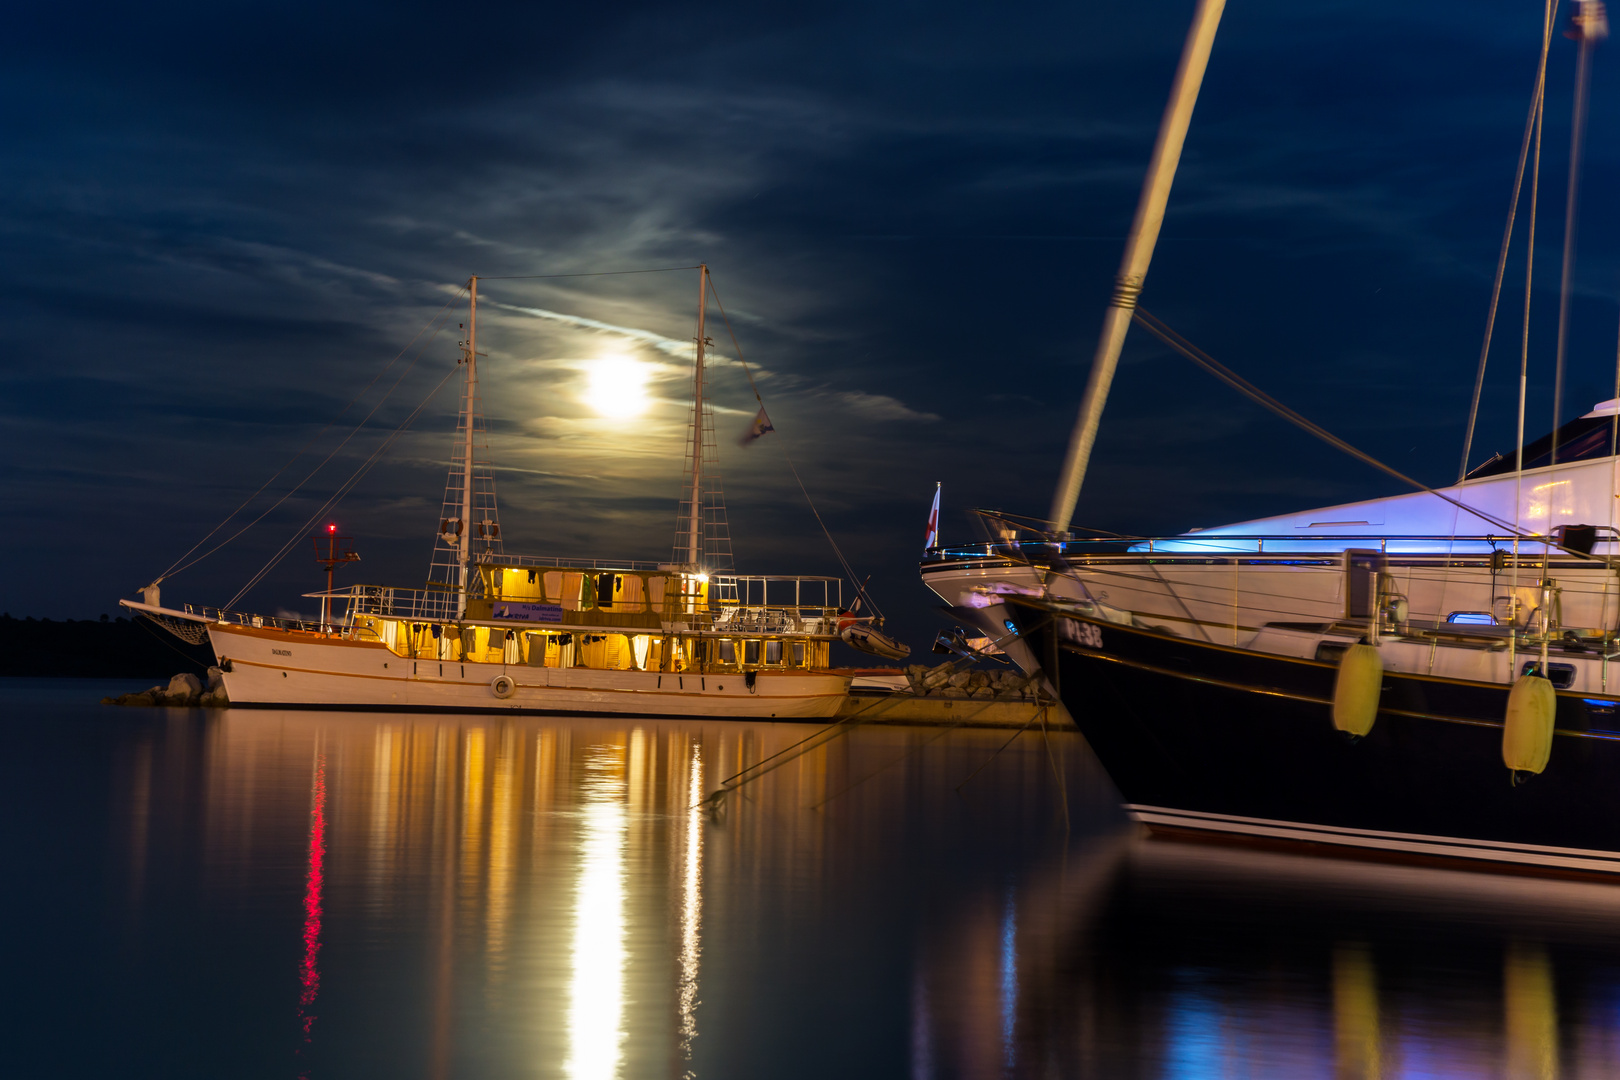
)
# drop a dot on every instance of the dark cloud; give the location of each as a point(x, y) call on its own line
point(218, 225)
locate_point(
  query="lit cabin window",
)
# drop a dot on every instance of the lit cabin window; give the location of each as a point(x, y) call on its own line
point(798, 654)
point(1472, 618)
point(750, 652)
point(773, 652)
point(728, 651)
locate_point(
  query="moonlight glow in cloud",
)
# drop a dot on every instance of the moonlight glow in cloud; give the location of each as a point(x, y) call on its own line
point(616, 387)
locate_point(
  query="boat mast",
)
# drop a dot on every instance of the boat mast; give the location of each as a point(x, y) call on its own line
point(467, 463)
point(694, 543)
point(1138, 252)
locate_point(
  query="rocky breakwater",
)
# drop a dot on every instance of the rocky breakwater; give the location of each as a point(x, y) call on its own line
point(184, 690)
point(948, 681)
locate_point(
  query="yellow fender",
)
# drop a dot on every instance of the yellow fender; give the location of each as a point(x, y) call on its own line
point(1357, 689)
point(1527, 735)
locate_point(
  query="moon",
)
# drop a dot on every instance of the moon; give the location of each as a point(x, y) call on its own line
point(616, 387)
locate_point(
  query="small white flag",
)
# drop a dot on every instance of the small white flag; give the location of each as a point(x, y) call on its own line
point(759, 426)
point(931, 537)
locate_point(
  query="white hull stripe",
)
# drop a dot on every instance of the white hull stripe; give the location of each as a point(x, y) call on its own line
point(1605, 862)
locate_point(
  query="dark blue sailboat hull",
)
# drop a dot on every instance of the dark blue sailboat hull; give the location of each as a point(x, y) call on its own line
point(1227, 742)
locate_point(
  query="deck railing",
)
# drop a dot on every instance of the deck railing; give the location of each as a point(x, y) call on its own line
point(1233, 544)
point(746, 613)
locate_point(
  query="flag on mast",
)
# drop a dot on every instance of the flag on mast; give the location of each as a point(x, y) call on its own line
point(759, 426)
point(931, 537)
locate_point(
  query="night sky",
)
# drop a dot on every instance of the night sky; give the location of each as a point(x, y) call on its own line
point(221, 223)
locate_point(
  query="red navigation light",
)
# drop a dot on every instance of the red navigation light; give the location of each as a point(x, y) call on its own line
point(331, 528)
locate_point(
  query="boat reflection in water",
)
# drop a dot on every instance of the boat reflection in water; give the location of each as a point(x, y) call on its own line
point(526, 897)
point(1161, 959)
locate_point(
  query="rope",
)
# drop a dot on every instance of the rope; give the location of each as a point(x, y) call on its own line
point(1507, 237)
point(176, 567)
point(738, 779)
point(912, 752)
point(188, 659)
point(1248, 389)
point(997, 754)
point(855, 578)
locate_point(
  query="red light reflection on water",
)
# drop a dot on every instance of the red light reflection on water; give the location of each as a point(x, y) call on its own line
point(309, 975)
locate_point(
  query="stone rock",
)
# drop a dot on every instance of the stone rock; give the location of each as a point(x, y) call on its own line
point(216, 682)
point(185, 683)
point(215, 700)
point(183, 689)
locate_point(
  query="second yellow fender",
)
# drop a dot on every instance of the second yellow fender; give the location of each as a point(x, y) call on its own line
point(1527, 735)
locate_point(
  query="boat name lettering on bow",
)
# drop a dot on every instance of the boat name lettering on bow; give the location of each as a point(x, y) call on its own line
point(1087, 635)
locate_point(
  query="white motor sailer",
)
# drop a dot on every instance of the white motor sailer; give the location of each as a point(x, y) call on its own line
point(498, 632)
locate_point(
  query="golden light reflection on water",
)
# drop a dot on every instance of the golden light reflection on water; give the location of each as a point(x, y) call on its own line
point(691, 902)
point(544, 898)
point(502, 849)
point(596, 989)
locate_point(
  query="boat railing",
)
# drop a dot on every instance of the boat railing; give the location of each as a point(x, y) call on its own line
point(786, 621)
point(778, 590)
point(246, 618)
point(383, 601)
point(487, 558)
point(719, 616)
point(1271, 544)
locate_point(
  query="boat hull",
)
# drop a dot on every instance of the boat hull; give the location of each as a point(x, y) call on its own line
point(1211, 739)
point(288, 668)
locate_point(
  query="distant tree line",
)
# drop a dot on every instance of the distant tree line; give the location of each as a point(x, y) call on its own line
point(96, 649)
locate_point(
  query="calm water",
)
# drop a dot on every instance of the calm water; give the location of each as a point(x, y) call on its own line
point(286, 894)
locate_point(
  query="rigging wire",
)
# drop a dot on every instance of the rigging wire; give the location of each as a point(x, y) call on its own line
point(344, 488)
point(598, 273)
point(1531, 122)
point(328, 458)
point(176, 566)
point(1524, 339)
point(1186, 348)
point(1590, 25)
point(854, 577)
